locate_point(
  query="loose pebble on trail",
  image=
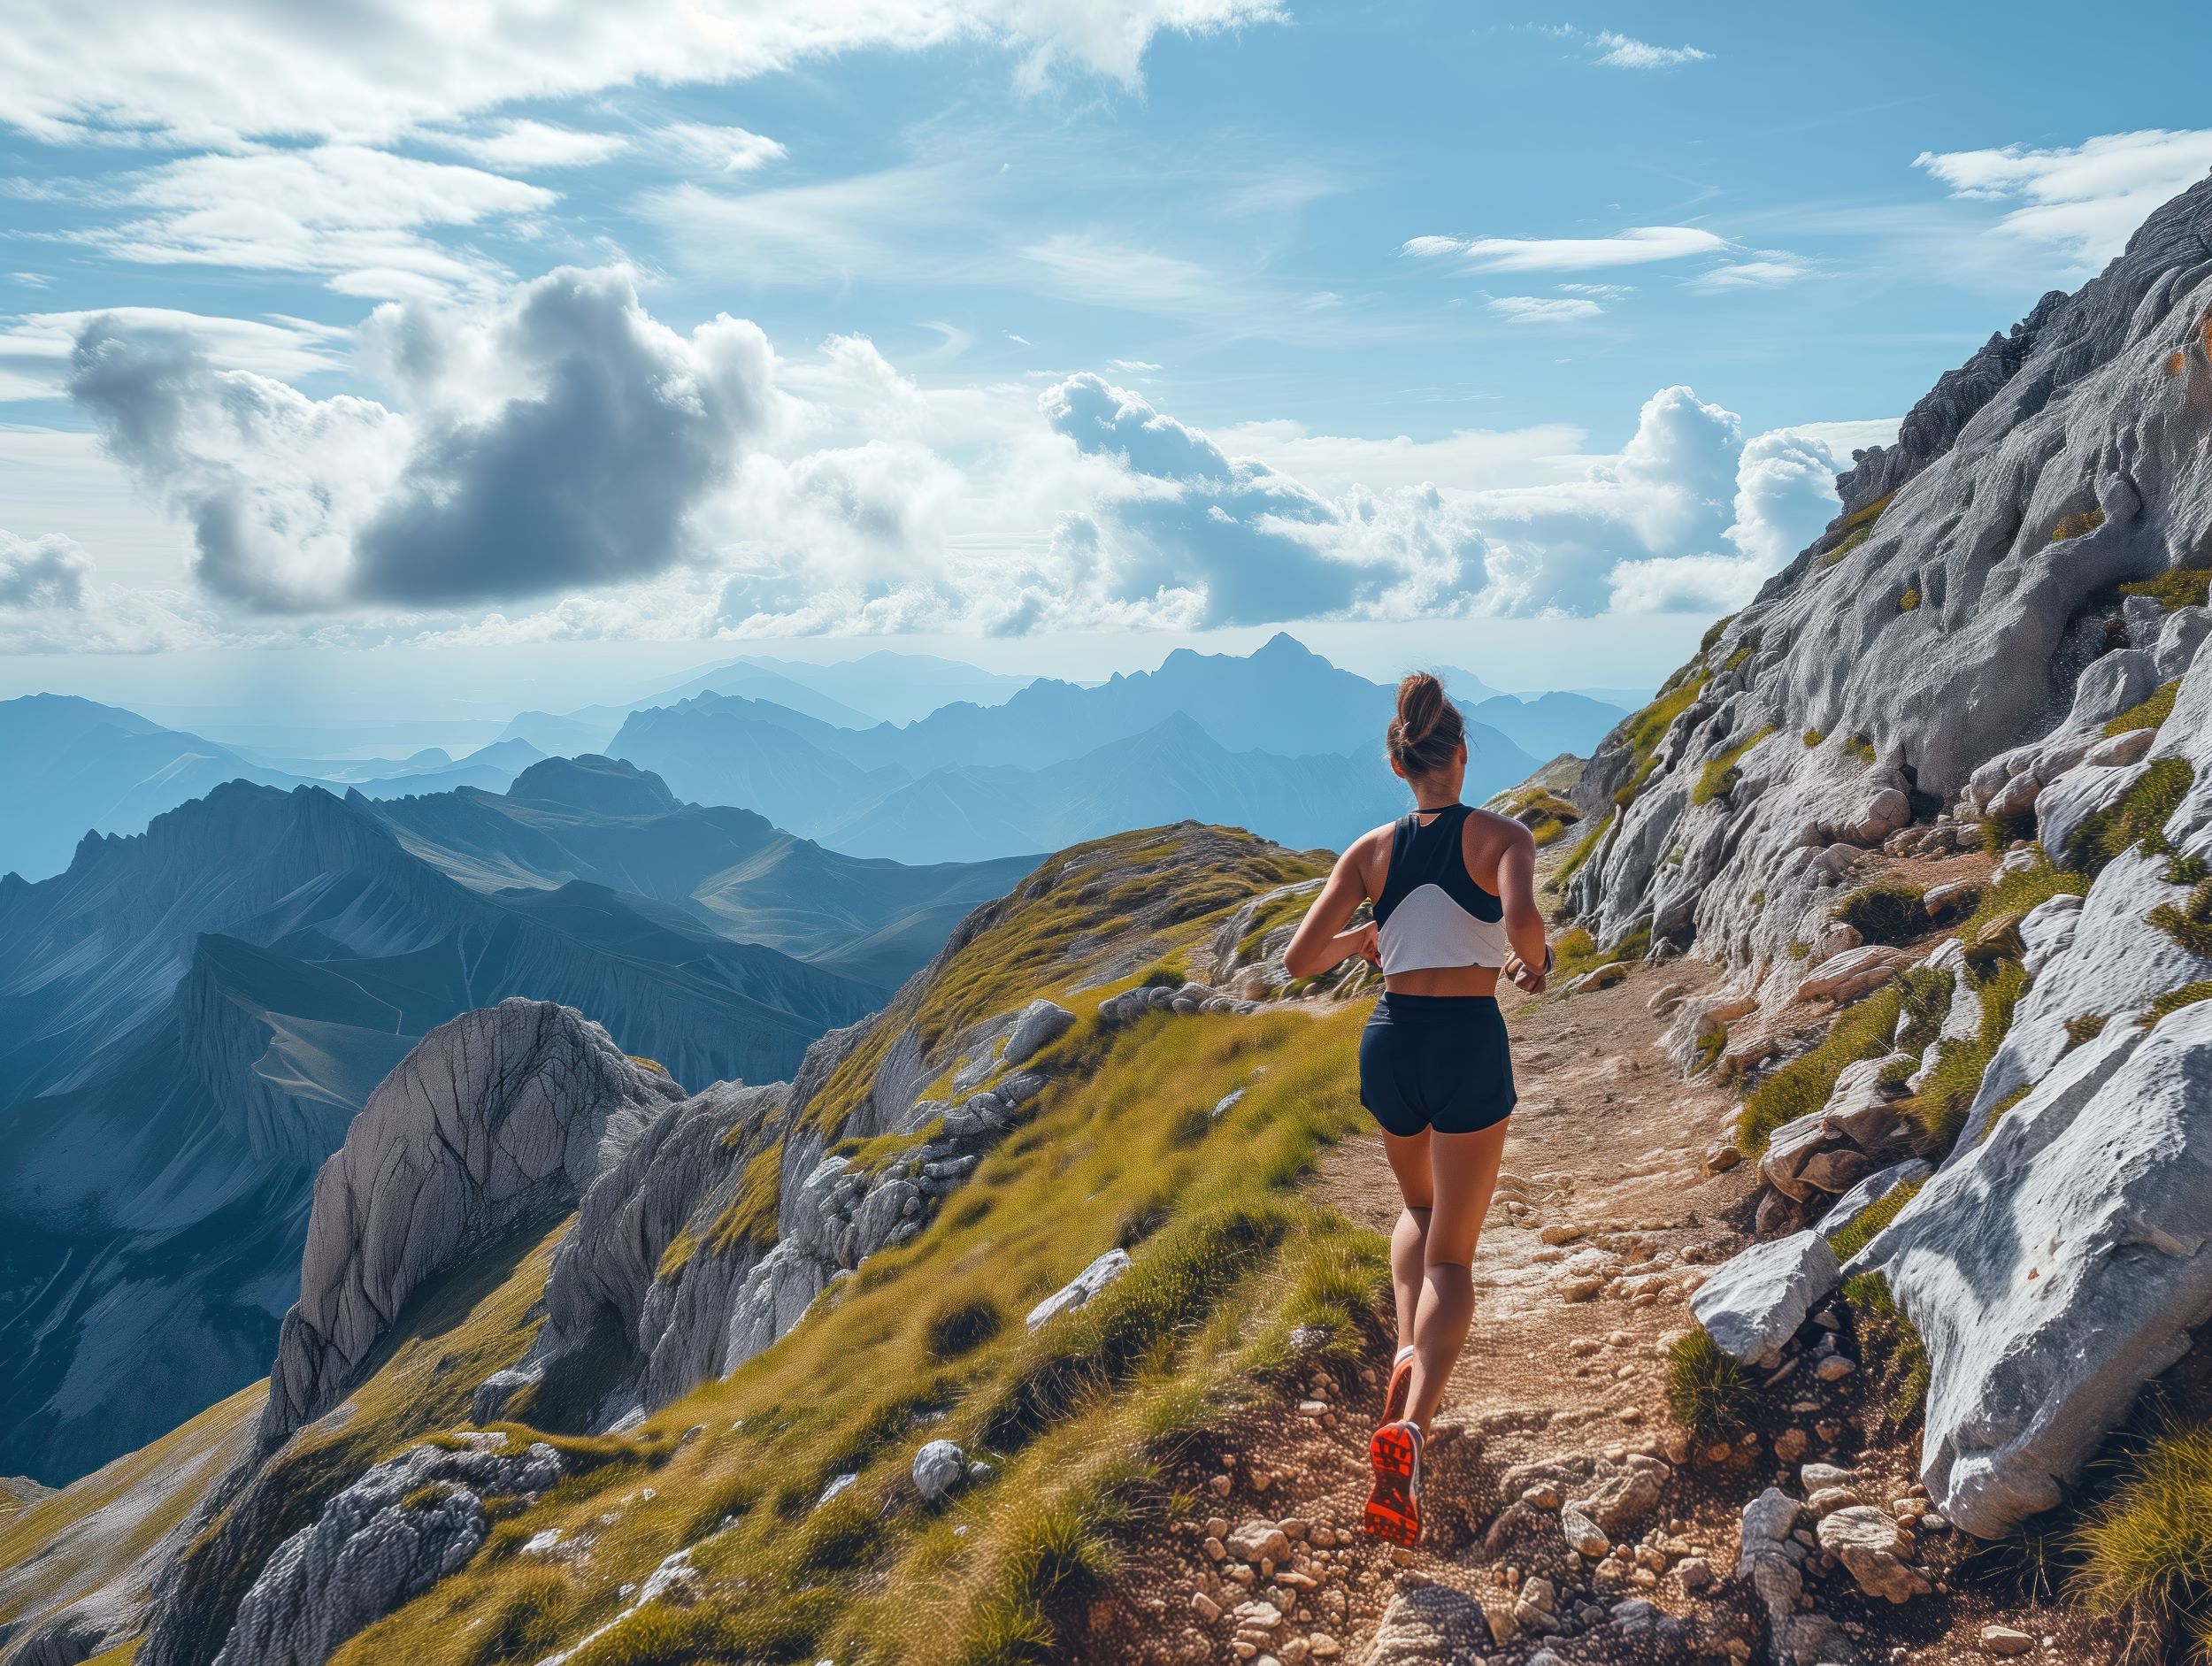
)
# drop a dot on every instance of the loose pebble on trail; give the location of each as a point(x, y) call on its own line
point(1568, 1512)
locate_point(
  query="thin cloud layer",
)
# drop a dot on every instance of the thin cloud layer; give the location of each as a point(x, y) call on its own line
point(2084, 200)
point(224, 72)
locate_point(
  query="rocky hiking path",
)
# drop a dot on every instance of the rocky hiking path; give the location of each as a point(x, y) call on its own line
point(1572, 1520)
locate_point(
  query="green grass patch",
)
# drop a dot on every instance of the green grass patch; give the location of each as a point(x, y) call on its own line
point(751, 1214)
point(1585, 848)
point(1860, 747)
point(2078, 526)
point(1910, 601)
point(1940, 1105)
point(1648, 728)
point(2176, 587)
point(1231, 1258)
point(1735, 661)
point(2084, 1027)
point(2010, 896)
point(1876, 1215)
point(1707, 1392)
point(1856, 528)
point(1812, 738)
point(1890, 1350)
point(1575, 951)
point(2189, 922)
point(1861, 1031)
point(2138, 816)
point(2148, 713)
point(1720, 774)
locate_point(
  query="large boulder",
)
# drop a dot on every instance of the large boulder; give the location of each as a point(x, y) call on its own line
point(2059, 1264)
point(1041, 1023)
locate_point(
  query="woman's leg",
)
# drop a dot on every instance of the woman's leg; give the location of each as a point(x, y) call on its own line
point(1408, 1157)
point(1465, 1167)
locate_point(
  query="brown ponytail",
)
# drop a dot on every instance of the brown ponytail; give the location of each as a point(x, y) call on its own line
point(1426, 733)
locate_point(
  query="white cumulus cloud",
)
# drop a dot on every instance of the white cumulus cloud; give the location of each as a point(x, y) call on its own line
point(1622, 51)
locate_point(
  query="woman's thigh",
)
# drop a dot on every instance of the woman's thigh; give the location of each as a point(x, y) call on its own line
point(1463, 1170)
point(1409, 1155)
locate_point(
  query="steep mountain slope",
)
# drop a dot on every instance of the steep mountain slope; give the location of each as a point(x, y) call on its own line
point(697, 1307)
point(188, 1019)
point(606, 822)
point(1995, 645)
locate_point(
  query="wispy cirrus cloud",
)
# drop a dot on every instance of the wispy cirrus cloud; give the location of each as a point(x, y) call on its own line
point(1529, 309)
point(525, 147)
point(223, 73)
point(358, 215)
point(2081, 200)
point(1637, 246)
point(1622, 51)
point(1616, 50)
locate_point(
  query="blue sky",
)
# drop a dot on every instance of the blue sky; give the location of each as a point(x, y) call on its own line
point(468, 352)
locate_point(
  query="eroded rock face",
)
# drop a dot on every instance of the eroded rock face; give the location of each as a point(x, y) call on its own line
point(501, 1115)
point(385, 1538)
point(1918, 647)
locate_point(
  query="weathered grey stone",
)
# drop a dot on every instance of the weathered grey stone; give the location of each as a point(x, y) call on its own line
point(1041, 1023)
point(1430, 1626)
point(1869, 1545)
point(1755, 1302)
point(2059, 1264)
point(1082, 1288)
point(371, 1549)
point(938, 1468)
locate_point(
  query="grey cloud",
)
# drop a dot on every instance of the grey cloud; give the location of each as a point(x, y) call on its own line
point(562, 438)
point(49, 572)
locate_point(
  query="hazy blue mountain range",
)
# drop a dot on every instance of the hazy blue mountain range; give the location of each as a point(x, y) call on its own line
point(68, 765)
point(1280, 742)
point(189, 1017)
point(603, 821)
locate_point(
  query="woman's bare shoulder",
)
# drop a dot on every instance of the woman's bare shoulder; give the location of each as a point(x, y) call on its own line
point(1494, 829)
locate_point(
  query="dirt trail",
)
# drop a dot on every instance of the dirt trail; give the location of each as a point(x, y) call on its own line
point(1604, 1222)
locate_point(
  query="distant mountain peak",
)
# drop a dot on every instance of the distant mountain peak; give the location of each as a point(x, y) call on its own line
point(604, 785)
point(1283, 646)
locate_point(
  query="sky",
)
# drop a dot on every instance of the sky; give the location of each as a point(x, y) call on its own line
point(446, 357)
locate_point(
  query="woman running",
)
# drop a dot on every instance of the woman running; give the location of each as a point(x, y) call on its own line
point(1454, 896)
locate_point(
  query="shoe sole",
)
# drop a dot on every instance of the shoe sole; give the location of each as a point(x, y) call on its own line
point(1393, 1505)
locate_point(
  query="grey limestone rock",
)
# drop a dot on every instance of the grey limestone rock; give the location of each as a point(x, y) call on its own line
point(501, 1115)
point(1755, 1301)
point(2058, 1265)
point(384, 1539)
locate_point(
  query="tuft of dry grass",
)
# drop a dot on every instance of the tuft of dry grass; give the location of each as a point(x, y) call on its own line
point(2146, 1549)
point(1707, 1392)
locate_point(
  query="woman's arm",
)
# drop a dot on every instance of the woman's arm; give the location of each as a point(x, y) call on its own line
point(1523, 920)
point(1321, 940)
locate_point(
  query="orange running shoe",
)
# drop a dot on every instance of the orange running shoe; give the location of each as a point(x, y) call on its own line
point(1401, 1386)
point(1394, 1504)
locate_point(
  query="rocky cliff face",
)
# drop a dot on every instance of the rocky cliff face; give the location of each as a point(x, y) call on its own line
point(1997, 644)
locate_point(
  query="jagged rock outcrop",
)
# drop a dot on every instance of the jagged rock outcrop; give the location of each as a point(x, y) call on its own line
point(1873, 678)
point(387, 1537)
point(501, 1115)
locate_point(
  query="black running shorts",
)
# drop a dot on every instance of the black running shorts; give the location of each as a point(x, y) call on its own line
point(1437, 1062)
